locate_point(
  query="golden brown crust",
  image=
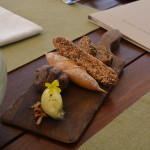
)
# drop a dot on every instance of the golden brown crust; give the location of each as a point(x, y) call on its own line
point(94, 67)
point(75, 73)
point(100, 52)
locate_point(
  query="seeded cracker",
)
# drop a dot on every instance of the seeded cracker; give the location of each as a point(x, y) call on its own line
point(96, 68)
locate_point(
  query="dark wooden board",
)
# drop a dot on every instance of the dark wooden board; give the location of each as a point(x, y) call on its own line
point(80, 105)
point(128, 90)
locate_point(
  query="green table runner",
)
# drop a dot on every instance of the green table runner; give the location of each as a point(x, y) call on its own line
point(129, 131)
point(56, 18)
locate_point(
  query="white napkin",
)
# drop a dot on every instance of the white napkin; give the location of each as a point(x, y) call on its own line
point(14, 28)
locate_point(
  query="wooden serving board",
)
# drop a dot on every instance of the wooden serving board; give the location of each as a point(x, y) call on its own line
point(80, 105)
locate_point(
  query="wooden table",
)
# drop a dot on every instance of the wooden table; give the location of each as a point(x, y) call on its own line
point(134, 82)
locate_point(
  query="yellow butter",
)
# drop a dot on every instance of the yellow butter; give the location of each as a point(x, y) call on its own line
point(52, 104)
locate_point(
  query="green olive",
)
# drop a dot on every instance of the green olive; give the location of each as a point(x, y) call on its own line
point(52, 104)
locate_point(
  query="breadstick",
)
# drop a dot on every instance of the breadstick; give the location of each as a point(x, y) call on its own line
point(96, 68)
point(75, 73)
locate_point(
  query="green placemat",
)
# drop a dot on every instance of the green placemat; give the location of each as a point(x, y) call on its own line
point(57, 19)
point(129, 131)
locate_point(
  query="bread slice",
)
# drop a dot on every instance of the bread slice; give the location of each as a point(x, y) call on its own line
point(100, 52)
